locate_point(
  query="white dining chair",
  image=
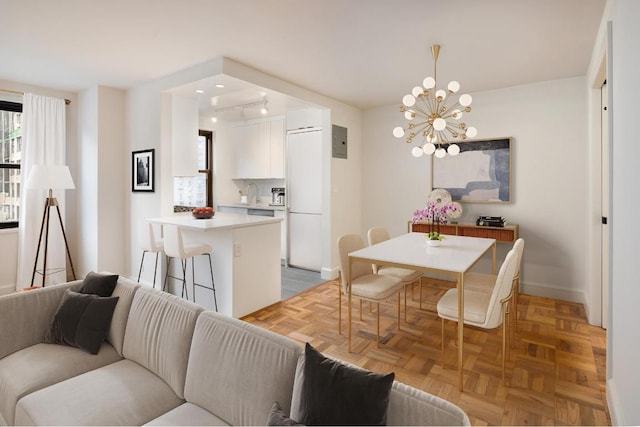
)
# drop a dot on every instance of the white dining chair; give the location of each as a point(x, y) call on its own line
point(485, 282)
point(408, 277)
point(174, 247)
point(364, 284)
point(483, 309)
point(150, 243)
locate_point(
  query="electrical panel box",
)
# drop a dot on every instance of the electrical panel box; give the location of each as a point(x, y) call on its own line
point(339, 142)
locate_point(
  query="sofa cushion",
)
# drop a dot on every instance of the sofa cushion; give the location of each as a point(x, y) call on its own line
point(42, 365)
point(82, 320)
point(409, 406)
point(99, 284)
point(125, 289)
point(187, 414)
point(277, 417)
point(250, 367)
point(158, 334)
point(123, 393)
point(336, 394)
point(25, 317)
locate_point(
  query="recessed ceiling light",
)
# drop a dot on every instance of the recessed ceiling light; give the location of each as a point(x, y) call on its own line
point(220, 85)
point(214, 119)
point(199, 91)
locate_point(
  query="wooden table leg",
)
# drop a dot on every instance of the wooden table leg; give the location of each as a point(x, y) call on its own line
point(349, 299)
point(493, 258)
point(460, 327)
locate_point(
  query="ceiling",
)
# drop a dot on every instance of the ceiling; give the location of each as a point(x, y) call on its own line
point(365, 53)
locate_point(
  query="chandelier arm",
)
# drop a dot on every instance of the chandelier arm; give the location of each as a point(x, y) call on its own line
point(451, 130)
point(442, 138)
point(419, 109)
point(429, 129)
point(455, 125)
point(450, 109)
point(418, 130)
point(434, 104)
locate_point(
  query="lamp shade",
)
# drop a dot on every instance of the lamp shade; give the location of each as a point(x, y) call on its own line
point(50, 177)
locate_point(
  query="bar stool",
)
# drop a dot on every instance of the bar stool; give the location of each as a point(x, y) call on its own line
point(149, 243)
point(174, 247)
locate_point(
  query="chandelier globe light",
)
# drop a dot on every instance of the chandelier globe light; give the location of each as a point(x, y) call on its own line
point(435, 116)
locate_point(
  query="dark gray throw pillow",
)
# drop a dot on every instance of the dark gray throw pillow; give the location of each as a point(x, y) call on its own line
point(337, 394)
point(277, 417)
point(99, 284)
point(82, 320)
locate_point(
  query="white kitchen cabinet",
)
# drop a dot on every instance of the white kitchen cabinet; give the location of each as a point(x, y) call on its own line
point(304, 118)
point(250, 141)
point(283, 234)
point(259, 150)
point(276, 144)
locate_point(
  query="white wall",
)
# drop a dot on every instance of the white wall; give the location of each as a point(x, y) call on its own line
point(623, 343)
point(104, 173)
point(547, 122)
point(87, 182)
point(114, 178)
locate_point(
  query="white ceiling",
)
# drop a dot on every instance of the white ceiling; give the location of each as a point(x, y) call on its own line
point(366, 53)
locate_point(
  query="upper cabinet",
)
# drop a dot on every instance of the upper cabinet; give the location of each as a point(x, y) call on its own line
point(277, 148)
point(259, 150)
point(304, 118)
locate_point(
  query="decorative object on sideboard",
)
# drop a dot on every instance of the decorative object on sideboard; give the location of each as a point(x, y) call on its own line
point(142, 170)
point(491, 221)
point(438, 210)
point(49, 177)
point(436, 124)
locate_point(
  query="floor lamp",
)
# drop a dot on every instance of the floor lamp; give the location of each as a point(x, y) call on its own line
point(49, 177)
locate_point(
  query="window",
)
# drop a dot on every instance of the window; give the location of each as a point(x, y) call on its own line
point(197, 191)
point(10, 156)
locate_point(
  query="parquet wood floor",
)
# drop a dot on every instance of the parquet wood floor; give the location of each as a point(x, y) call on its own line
point(555, 368)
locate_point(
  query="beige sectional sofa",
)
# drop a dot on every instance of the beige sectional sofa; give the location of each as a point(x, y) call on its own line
point(165, 361)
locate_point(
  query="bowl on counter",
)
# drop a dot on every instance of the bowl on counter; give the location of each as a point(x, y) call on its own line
point(203, 213)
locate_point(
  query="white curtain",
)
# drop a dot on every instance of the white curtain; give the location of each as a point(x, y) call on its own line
point(43, 143)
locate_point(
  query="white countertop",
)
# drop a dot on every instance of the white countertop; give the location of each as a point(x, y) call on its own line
point(264, 206)
point(221, 220)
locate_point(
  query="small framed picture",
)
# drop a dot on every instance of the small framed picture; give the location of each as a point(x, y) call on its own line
point(142, 166)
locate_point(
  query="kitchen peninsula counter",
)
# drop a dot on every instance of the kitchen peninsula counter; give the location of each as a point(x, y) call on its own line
point(220, 221)
point(245, 257)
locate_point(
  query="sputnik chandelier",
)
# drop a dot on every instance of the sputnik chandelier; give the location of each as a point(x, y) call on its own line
point(431, 120)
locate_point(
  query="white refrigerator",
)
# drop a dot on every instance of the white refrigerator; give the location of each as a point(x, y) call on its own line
point(304, 198)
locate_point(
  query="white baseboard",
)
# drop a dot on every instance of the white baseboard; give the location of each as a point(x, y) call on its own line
point(613, 402)
point(542, 290)
point(329, 273)
point(7, 289)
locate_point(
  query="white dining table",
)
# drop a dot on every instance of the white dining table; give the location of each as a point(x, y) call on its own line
point(456, 256)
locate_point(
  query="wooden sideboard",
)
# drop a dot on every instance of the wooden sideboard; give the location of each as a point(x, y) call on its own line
point(507, 234)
